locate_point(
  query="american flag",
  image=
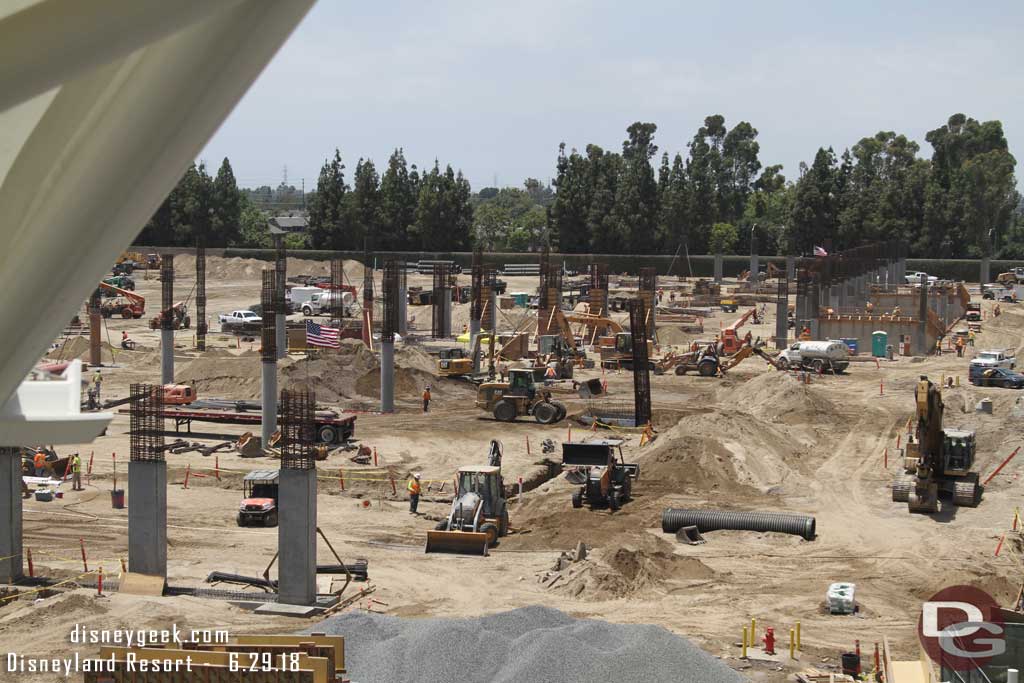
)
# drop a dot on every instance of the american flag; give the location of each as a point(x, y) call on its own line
point(318, 335)
point(818, 251)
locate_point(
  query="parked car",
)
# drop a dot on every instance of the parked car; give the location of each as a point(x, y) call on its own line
point(235, 317)
point(995, 377)
point(913, 277)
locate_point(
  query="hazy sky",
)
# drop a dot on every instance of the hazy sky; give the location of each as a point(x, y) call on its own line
point(493, 88)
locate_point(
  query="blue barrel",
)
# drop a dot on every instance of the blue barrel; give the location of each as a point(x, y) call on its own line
point(851, 343)
point(117, 499)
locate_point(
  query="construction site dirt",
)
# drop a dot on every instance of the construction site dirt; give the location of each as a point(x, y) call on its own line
point(756, 439)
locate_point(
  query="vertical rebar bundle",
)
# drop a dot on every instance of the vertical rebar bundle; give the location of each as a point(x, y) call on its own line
point(298, 429)
point(167, 292)
point(389, 315)
point(641, 369)
point(598, 288)
point(280, 305)
point(268, 301)
point(146, 426)
point(337, 303)
point(782, 312)
point(440, 324)
point(476, 282)
point(95, 320)
point(648, 287)
point(488, 319)
point(201, 326)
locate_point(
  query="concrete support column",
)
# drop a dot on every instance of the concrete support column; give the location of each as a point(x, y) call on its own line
point(901, 271)
point(986, 270)
point(833, 296)
point(403, 312)
point(718, 268)
point(281, 335)
point(268, 423)
point(844, 288)
point(791, 267)
point(167, 356)
point(474, 344)
point(892, 280)
point(782, 322)
point(296, 537)
point(11, 564)
point(921, 343)
point(387, 377)
point(147, 517)
point(815, 306)
point(754, 267)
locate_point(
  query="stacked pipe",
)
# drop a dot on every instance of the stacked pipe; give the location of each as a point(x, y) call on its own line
point(674, 519)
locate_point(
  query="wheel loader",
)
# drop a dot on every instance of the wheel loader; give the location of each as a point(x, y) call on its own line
point(604, 481)
point(517, 397)
point(936, 461)
point(479, 512)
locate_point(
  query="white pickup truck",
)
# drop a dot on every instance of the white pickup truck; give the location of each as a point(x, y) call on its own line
point(240, 317)
point(994, 359)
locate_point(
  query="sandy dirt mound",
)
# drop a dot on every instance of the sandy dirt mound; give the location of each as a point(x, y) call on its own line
point(218, 376)
point(777, 397)
point(333, 376)
point(78, 347)
point(622, 571)
point(220, 268)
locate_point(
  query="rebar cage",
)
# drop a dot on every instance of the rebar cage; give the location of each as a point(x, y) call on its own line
point(298, 429)
point(641, 369)
point(166, 291)
point(146, 426)
point(268, 327)
point(439, 327)
point(201, 325)
point(389, 313)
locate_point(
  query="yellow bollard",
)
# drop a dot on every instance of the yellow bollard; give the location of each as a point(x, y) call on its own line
point(798, 636)
point(744, 656)
point(958, 380)
point(792, 643)
point(753, 631)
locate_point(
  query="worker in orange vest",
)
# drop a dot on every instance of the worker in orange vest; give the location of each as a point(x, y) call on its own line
point(414, 493)
point(960, 347)
point(39, 462)
point(426, 399)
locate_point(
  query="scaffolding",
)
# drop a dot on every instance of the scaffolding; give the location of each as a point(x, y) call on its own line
point(146, 426)
point(298, 429)
point(641, 363)
point(268, 328)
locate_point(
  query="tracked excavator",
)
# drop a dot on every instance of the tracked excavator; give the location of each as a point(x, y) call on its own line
point(479, 512)
point(936, 461)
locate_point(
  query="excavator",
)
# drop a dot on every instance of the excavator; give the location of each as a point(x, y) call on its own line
point(707, 363)
point(731, 340)
point(127, 304)
point(936, 461)
point(181, 318)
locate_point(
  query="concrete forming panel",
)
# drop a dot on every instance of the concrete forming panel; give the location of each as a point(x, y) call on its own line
point(296, 537)
point(147, 517)
point(11, 564)
point(791, 267)
point(387, 377)
point(167, 356)
point(268, 399)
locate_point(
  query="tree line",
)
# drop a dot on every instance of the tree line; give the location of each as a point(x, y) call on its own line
point(717, 197)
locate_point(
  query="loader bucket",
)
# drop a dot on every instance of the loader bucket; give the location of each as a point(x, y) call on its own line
point(458, 542)
point(590, 388)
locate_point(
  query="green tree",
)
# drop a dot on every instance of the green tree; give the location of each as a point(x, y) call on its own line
point(364, 207)
point(398, 196)
point(327, 214)
point(252, 230)
point(723, 238)
point(813, 219)
point(567, 220)
point(227, 207)
point(635, 213)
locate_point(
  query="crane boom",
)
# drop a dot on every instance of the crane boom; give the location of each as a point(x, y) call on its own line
point(131, 296)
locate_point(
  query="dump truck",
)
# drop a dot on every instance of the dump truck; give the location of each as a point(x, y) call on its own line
point(936, 461)
point(479, 512)
point(517, 397)
point(604, 481)
point(259, 502)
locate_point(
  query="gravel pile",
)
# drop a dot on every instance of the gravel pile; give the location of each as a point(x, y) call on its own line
point(535, 644)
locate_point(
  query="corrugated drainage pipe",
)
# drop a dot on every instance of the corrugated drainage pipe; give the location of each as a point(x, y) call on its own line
point(674, 519)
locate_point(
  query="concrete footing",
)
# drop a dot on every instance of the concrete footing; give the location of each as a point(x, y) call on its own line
point(296, 537)
point(167, 356)
point(268, 423)
point(147, 518)
point(387, 377)
point(11, 563)
point(281, 334)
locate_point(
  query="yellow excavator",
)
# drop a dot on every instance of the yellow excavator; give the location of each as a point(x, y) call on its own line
point(479, 512)
point(936, 461)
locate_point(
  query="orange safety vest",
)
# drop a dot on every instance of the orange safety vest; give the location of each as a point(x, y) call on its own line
point(414, 487)
point(39, 460)
point(426, 395)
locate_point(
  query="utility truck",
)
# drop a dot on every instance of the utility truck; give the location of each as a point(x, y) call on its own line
point(818, 356)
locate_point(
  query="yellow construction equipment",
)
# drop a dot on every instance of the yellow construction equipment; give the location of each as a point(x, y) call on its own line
point(519, 396)
point(454, 362)
point(479, 513)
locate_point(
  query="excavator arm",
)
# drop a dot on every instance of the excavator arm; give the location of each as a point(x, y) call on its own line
point(131, 296)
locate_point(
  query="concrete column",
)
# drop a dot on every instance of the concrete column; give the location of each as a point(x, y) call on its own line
point(921, 343)
point(403, 312)
point(282, 335)
point(791, 267)
point(167, 356)
point(296, 537)
point(147, 517)
point(718, 268)
point(754, 267)
point(815, 306)
point(11, 564)
point(901, 271)
point(387, 377)
point(986, 270)
point(781, 322)
point(474, 345)
point(268, 423)
point(844, 288)
point(833, 296)
point(891, 280)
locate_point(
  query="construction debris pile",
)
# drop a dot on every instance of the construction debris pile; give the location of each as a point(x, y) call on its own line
point(528, 644)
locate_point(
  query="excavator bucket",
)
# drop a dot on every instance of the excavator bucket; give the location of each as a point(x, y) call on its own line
point(457, 542)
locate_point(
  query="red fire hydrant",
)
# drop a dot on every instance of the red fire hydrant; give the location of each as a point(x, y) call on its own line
point(769, 641)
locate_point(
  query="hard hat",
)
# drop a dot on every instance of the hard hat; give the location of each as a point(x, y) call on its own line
point(416, 475)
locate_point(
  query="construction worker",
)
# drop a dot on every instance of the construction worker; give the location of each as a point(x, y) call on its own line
point(426, 399)
point(550, 373)
point(938, 346)
point(960, 344)
point(970, 338)
point(125, 342)
point(76, 473)
point(97, 384)
point(39, 463)
point(896, 311)
point(869, 307)
point(414, 493)
point(996, 311)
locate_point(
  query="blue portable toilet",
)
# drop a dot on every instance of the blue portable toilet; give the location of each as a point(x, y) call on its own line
point(851, 343)
point(879, 342)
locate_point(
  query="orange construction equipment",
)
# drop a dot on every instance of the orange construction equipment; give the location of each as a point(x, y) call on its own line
point(134, 307)
point(731, 341)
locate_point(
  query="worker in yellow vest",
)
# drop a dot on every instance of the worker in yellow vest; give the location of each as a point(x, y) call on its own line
point(414, 493)
point(76, 473)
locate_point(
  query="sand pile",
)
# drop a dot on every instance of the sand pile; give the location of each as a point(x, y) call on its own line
point(220, 268)
point(528, 644)
point(78, 347)
point(218, 376)
point(777, 397)
point(622, 572)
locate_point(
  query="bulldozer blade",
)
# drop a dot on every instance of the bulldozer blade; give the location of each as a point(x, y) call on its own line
point(458, 542)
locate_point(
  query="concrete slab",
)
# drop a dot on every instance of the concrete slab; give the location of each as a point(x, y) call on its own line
point(282, 610)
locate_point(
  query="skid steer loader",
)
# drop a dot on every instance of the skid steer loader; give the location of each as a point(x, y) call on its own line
point(479, 513)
